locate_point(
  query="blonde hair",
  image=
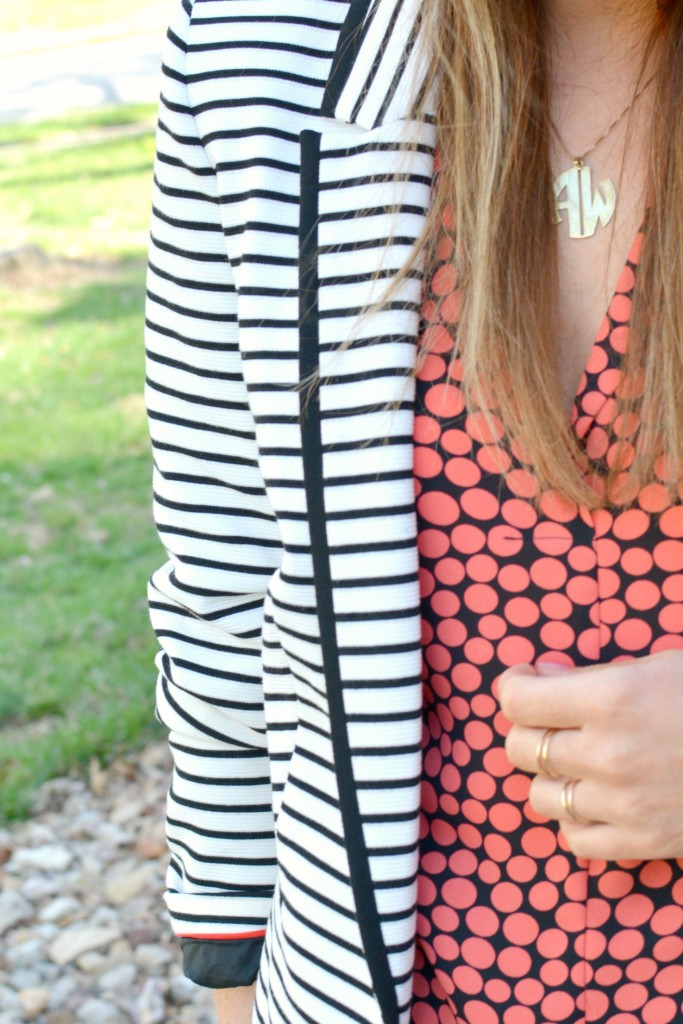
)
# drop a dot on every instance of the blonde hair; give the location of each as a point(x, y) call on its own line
point(493, 123)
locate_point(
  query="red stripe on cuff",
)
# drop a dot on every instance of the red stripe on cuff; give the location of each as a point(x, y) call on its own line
point(238, 935)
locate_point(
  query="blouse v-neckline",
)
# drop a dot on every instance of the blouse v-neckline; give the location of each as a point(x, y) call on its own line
point(594, 403)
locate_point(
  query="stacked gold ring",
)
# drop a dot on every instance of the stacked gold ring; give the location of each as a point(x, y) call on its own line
point(567, 801)
point(543, 755)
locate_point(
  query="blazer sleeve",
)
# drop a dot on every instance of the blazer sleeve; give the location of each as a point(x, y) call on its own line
point(222, 540)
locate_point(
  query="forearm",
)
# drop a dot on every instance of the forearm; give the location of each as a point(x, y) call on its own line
point(234, 1005)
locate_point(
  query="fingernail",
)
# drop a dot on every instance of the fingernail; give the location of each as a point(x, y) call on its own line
point(551, 668)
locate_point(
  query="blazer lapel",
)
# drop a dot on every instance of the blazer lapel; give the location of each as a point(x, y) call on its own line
point(379, 65)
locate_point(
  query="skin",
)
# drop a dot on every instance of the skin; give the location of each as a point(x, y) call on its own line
point(615, 720)
point(234, 1005)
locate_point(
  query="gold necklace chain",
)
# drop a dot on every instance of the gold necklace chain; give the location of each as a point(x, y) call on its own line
point(586, 206)
point(579, 160)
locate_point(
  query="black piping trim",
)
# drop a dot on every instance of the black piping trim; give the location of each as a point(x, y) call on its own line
point(359, 866)
point(344, 56)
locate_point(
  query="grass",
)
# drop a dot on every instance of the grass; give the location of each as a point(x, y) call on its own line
point(77, 543)
point(77, 127)
point(78, 199)
point(48, 16)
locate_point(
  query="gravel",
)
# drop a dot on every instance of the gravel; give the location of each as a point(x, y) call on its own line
point(85, 935)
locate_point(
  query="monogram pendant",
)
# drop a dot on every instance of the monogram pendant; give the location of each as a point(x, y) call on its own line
point(585, 208)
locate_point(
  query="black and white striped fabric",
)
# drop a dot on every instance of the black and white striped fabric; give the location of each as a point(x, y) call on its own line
point(292, 180)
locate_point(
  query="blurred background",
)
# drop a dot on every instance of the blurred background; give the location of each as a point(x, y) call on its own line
point(77, 108)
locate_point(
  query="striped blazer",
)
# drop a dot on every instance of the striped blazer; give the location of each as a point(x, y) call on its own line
point(292, 180)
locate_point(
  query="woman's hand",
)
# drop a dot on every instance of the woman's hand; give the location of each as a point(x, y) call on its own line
point(234, 1005)
point(620, 733)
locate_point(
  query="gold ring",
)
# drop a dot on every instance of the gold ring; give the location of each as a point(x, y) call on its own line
point(543, 755)
point(567, 801)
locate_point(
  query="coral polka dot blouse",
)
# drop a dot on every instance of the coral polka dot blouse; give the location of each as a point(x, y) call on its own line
point(512, 929)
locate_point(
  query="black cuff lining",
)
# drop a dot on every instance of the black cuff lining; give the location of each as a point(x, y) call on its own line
point(222, 963)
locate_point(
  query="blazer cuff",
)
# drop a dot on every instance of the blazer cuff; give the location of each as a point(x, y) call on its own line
point(222, 963)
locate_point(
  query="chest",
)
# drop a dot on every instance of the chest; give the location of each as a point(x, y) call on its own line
point(588, 274)
point(588, 269)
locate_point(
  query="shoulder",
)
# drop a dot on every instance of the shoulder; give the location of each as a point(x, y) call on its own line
point(274, 34)
point(268, 58)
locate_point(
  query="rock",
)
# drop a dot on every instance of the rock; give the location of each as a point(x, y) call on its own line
point(86, 882)
point(150, 958)
point(124, 768)
point(92, 963)
point(59, 910)
point(59, 1017)
point(149, 1006)
point(74, 799)
point(127, 812)
point(54, 795)
point(38, 833)
point(33, 1002)
point(37, 887)
point(125, 886)
point(9, 1000)
point(25, 954)
point(97, 777)
point(105, 916)
point(26, 978)
point(50, 857)
point(141, 934)
point(85, 825)
point(150, 848)
point(45, 931)
point(157, 756)
point(97, 1011)
point(182, 990)
point(14, 910)
point(62, 989)
point(113, 835)
point(118, 979)
point(78, 939)
point(10, 1017)
point(120, 952)
point(10, 882)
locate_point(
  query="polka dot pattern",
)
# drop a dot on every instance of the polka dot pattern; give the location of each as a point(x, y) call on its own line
point(512, 929)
